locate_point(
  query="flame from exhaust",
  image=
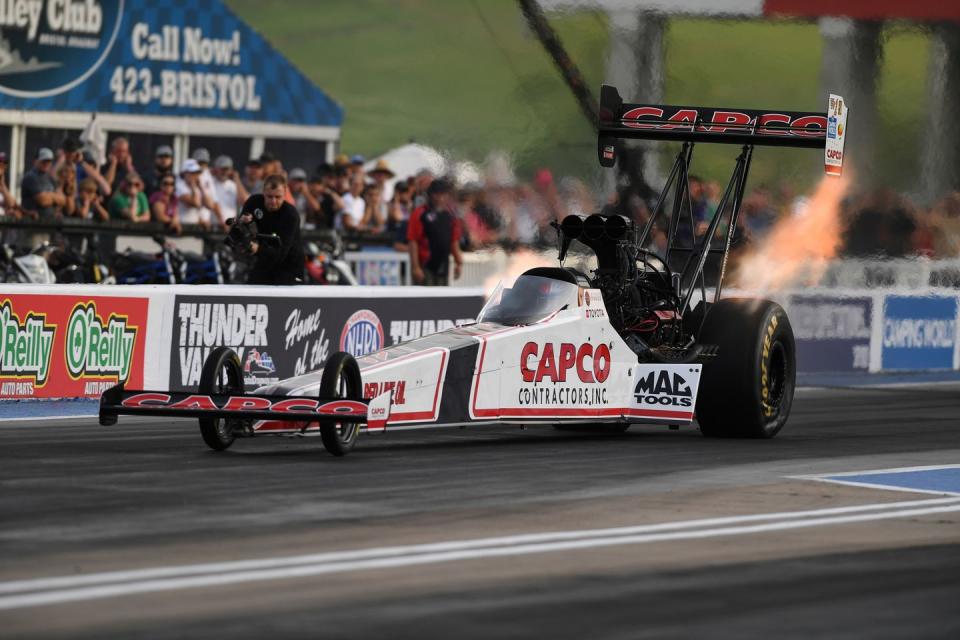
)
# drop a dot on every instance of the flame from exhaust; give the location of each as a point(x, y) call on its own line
point(800, 246)
point(517, 262)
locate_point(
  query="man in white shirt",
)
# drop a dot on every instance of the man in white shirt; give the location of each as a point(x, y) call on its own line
point(202, 156)
point(229, 191)
point(354, 206)
point(195, 207)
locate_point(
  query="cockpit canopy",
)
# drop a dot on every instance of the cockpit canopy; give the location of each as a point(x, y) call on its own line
point(531, 299)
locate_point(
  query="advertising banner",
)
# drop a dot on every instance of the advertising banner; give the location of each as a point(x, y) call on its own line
point(832, 332)
point(919, 332)
point(63, 346)
point(160, 57)
point(280, 337)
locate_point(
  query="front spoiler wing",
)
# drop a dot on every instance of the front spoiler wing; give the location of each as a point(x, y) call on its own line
point(117, 401)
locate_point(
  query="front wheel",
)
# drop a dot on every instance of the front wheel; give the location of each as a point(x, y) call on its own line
point(746, 391)
point(341, 379)
point(221, 375)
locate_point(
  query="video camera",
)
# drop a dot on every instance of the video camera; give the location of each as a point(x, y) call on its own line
point(242, 234)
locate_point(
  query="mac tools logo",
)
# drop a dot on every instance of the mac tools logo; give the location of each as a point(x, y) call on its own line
point(50, 46)
point(663, 389)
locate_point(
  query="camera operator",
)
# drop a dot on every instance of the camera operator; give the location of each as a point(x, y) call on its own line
point(277, 260)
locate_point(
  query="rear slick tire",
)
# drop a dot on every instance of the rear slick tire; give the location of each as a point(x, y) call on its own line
point(746, 391)
point(340, 379)
point(221, 374)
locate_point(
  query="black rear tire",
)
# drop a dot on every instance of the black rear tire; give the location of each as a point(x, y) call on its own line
point(746, 391)
point(340, 379)
point(221, 374)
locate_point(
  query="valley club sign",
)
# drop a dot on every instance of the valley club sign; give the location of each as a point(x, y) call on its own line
point(50, 46)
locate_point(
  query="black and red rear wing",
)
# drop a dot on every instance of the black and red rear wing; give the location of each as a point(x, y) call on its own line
point(116, 401)
point(703, 124)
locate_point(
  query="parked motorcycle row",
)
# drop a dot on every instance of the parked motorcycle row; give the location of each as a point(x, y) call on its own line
point(82, 262)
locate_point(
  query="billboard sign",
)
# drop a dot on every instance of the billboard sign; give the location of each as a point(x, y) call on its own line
point(61, 346)
point(832, 332)
point(280, 337)
point(919, 332)
point(156, 57)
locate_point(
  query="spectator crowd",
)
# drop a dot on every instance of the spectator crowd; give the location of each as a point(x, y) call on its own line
point(425, 211)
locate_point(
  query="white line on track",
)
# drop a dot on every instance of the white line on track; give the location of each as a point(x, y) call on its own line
point(64, 589)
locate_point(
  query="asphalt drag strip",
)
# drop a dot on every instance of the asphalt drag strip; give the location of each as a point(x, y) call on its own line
point(845, 525)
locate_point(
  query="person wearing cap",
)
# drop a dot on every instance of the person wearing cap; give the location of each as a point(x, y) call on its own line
point(303, 199)
point(229, 191)
point(202, 156)
point(193, 203)
point(253, 176)
point(38, 188)
point(434, 235)
point(280, 263)
point(119, 163)
point(356, 166)
point(162, 167)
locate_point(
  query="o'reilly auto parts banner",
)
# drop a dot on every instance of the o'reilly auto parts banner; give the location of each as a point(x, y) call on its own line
point(832, 332)
point(61, 346)
point(280, 337)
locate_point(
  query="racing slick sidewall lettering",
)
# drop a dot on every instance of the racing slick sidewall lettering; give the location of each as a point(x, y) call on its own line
point(61, 346)
point(919, 332)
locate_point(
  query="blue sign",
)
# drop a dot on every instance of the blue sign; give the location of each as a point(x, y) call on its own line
point(919, 332)
point(832, 332)
point(155, 57)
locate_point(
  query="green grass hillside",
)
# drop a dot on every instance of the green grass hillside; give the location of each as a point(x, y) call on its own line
point(467, 77)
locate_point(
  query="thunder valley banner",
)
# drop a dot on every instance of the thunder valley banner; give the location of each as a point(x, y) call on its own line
point(281, 337)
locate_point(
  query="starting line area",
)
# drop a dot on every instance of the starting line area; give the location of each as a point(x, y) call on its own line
point(940, 479)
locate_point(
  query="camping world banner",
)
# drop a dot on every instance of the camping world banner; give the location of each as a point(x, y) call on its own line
point(159, 57)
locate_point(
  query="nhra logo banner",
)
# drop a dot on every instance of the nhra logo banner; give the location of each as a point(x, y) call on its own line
point(69, 346)
point(279, 337)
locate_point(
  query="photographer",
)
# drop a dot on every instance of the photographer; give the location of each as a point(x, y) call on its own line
point(278, 260)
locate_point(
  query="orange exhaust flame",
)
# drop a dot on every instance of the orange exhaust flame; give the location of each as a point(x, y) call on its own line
point(800, 246)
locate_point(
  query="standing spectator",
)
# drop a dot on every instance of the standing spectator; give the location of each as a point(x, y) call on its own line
point(87, 168)
point(331, 204)
point(89, 206)
point(8, 204)
point(227, 188)
point(41, 198)
point(373, 216)
point(193, 204)
point(253, 176)
point(421, 182)
point(399, 209)
point(356, 166)
point(317, 188)
point(67, 184)
point(303, 199)
point(354, 207)
point(130, 202)
point(269, 164)
point(434, 235)
point(119, 163)
point(162, 167)
point(202, 156)
point(164, 206)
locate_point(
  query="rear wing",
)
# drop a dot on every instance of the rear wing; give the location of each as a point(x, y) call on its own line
point(811, 130)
